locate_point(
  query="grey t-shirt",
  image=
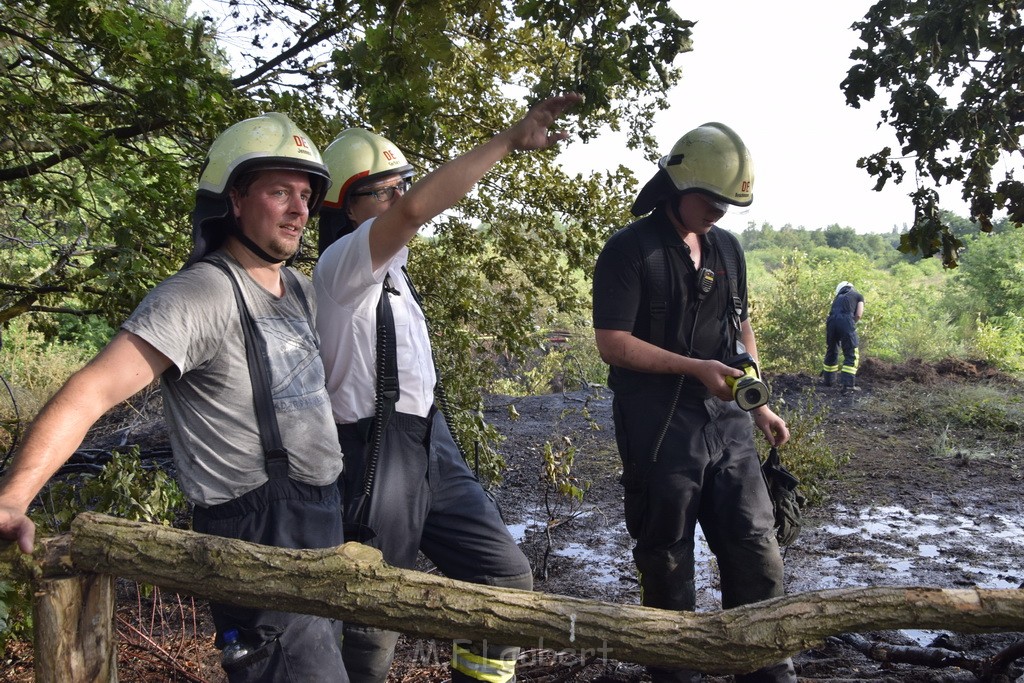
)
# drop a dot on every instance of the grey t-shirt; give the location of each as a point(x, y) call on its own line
point(192, 319)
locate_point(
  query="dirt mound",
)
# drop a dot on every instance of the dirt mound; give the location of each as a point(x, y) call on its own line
point(922, 372)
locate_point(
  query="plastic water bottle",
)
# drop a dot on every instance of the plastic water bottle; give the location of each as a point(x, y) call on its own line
point(234, 649)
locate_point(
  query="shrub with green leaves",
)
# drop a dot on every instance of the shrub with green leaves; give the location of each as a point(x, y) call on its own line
point(1000, 341)
point(807, 454)
point(34, 367)
point(124, 488)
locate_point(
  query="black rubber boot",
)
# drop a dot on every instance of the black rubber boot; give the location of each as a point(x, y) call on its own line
point(828, 378)
point(848, 382)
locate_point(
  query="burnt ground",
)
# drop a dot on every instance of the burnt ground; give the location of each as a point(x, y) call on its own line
point(899, 513)
point(910, 507)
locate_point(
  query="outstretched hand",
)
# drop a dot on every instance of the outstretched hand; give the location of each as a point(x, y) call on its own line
point(532, 131)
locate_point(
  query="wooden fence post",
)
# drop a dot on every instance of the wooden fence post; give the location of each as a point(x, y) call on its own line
point(75, 639)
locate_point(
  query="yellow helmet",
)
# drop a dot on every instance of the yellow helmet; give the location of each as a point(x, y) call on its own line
point(710, 159)
point(355, 158)
point(263, 143)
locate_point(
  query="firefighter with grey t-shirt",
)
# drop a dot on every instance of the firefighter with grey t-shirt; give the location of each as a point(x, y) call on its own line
point(261, 181)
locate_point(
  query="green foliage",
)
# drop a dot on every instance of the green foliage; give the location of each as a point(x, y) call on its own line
point(563, 492)
point(558, 477)
point(568, 364)
point(33, 368)
point(100, 111)
point(15, 613)
point(905, 316)
point(952, 71)
point(808, 455)
point(1000, 341)
point(124, 488)
point(990, 279)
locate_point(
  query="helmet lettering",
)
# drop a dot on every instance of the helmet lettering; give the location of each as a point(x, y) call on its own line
point(300, 141)
point(745, 186)
point(389, 155)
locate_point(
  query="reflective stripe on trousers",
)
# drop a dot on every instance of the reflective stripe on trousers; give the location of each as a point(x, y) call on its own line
point(480, 668)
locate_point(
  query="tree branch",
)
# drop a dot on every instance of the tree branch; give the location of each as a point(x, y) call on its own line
point(123, 133)
point(298, 48)
point(353, 582)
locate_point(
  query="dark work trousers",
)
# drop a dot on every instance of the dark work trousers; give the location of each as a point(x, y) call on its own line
point(425, 498)
point(841, 333)
point(286, 514)
point(706, 470)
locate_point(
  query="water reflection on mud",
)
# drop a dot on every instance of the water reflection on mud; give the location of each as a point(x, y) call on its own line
point(878, 546)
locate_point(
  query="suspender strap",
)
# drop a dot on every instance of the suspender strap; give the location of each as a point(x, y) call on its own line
point(656, 263)
point(440, 397)
point(259, 373)
point(388, 389)
point(730, 258)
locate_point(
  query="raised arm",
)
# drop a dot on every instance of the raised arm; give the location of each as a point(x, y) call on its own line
point(125, 366)
point(441, 189)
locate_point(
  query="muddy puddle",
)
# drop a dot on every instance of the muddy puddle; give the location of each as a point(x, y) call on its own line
point(879, 546)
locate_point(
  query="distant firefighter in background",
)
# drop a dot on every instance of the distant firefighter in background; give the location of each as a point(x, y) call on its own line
point(841, 333)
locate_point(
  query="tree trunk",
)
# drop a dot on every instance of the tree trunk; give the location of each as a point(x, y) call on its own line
point(352, 582)
point(74, 630)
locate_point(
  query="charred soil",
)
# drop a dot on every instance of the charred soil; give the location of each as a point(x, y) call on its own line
point(914, 505)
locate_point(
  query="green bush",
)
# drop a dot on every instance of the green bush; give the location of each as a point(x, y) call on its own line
point(32, 370)
point(1000, 341)
point(808, 455)
point(124, 488)
point(569, 364)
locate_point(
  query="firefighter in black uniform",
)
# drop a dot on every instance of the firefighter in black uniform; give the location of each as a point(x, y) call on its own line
point(841, 333)
point(687, 448)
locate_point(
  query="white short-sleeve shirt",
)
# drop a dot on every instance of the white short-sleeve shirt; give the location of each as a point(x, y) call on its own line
point(347, 292)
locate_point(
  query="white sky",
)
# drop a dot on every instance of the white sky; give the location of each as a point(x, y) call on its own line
point(771, 71)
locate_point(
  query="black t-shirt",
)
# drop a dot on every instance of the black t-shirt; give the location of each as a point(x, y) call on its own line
point(622, 297)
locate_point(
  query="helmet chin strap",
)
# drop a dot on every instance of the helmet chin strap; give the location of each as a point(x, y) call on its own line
point(254, 248)
point(673, 207)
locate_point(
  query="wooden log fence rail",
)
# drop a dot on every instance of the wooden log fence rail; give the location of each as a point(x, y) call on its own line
point(72, 574)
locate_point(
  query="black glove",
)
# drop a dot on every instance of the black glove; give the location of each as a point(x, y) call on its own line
point(786, 499)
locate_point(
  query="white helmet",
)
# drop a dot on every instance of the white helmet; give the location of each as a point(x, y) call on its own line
point(842, 285)
point(268, 142)
point(356, 157)
point(710, 159)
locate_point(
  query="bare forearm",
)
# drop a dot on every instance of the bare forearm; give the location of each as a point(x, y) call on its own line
point(435, 193)
point(749, 340)
point(627, 351)
point(51, 439)
point(125, 366)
